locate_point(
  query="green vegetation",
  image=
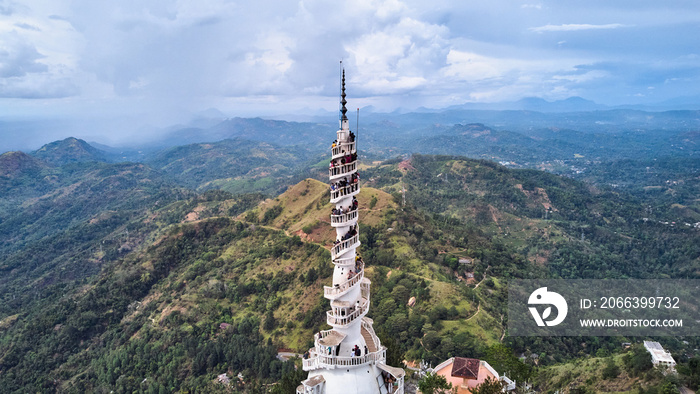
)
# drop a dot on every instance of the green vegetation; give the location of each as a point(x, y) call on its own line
point(115, 279)
point(235, 165)
point(434, 384)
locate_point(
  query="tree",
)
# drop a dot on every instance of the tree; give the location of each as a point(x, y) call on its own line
point(611, 370)
point(638, 360)
point(490, 386)
point(269, 323)
point(669, 388)
point(502, 359)
point(433, 383)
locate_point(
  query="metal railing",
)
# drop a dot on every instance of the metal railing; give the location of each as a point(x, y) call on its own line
point(337, 194)
point(344, 246)
point(330, 291)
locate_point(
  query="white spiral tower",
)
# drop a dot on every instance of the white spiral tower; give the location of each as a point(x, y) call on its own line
point(348, 358)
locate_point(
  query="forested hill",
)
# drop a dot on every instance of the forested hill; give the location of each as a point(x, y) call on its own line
point(116, 279)
point(69, 150)
point(575, 229)
point(236, 165)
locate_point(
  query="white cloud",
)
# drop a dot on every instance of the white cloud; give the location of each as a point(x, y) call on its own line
point(576, 27)
point(470, 66)
point(36, 58)
point(401, 56)
point(173, 56)
point(580, 78)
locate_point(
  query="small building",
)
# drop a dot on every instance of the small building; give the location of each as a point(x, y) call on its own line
point(466, 374)
point(224, 326)
point(465, 260)
point(659, 356)
point(223, 378)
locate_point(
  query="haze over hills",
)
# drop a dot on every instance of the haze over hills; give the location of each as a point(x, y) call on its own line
point(212, 125)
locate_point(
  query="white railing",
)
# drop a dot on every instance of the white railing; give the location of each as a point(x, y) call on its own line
point(368, 327)
point(343, 149)
point(364, 288)
point(398, 389)
point(344, 246)
point(343, 219)
point(391, 386)
point(337, 194)
point(359, 311)
point(345, 261)
point(330, 291)
point(316, 361)
point(323, 334)
point(342, 170)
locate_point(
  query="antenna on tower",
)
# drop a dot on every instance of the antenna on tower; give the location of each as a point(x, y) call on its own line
point(357, 126)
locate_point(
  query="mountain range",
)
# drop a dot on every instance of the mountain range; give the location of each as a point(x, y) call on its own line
point(206, 258)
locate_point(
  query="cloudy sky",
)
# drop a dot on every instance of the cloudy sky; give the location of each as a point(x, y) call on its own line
point(164, 58)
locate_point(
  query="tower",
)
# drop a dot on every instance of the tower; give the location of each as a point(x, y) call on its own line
point(348, 358)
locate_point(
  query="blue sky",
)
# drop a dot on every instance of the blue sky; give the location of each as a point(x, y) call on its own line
point(164, 59)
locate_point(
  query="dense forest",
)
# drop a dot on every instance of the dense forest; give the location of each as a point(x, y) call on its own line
point(159, 277)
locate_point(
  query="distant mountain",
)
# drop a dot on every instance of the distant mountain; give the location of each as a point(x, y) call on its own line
point(571, 104)
point(235, 165)
point(278, 132)
point(15, 164)
point(69, 150)
point(537, 104)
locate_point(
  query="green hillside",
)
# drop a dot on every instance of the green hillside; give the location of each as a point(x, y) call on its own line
point(235, 165)
point(174, 292)
point(114, 279)
point(69, 150)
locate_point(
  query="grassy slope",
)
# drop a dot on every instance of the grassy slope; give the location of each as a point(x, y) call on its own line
point(586, 372)
point(306, 203)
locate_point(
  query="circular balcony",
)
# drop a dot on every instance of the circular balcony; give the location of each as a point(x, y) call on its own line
point(316, 361)
point(344, 246)
point(347, 191)
point(343, 313)
point(341, 171)
point(344, 261)
point(342, 149)
point(346, 219)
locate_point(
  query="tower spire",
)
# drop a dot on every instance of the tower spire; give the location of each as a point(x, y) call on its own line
point(343, 110)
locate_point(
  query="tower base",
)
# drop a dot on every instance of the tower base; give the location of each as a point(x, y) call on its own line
point(370, 378)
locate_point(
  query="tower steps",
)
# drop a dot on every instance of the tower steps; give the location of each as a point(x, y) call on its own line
point(368, 340)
